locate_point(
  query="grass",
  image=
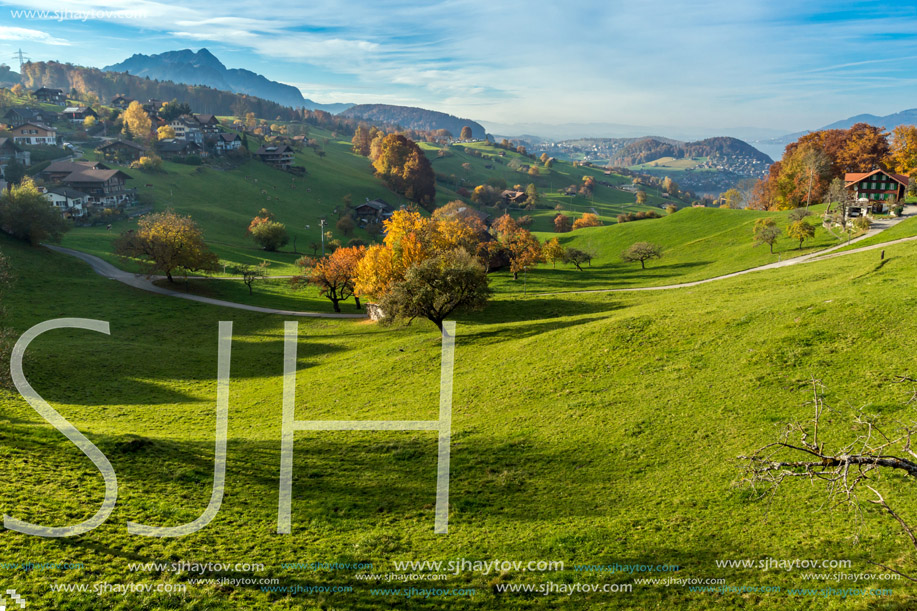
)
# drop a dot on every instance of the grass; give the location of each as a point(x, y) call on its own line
point(598, 429)
point(698, 243)
point(905, 229)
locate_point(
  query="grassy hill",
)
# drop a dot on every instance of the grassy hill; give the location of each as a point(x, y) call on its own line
point(593, 430)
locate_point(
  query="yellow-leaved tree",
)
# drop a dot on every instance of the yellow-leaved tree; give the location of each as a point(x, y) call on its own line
point(137, 123)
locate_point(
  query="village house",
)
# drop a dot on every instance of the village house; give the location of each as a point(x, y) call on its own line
point(122, 151)
point(173, 147)
point(187, 128)
point(208, 124)
point(105, 188)
point(50, 96)
point(34, 134)
point(513, 197)
point(59, 170)
point(280, 156)
point(226, 143)
point(121, 101)
point(10, 152)
point(374, 211)
point(18, 116)
point(874, 192)
point(78, 114)
point(71, 203)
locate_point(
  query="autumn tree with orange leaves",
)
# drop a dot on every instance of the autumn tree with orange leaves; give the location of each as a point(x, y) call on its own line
point(333, 275)
point(520, 246)
point(425, 266)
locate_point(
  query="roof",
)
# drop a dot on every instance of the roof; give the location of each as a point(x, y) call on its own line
point(274, 149)
point(126, 143)
point(93, 175)
point(27, 112)
point(854, 177)
point(170, 145)
point(67, 192)
point(48, 90)
point(7, 142)
point(376, 204)
point(34, 124)
point(230, 137)
point(202, 118)
point(65, 167)
point(121, 96)
point(73, 109)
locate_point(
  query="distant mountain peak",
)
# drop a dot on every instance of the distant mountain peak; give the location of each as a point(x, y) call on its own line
point(203, 68)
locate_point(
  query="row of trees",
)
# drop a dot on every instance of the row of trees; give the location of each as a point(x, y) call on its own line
point(809, 165)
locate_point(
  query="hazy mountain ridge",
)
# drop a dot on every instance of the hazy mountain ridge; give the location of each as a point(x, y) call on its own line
point(410, 117)
point(203, 68)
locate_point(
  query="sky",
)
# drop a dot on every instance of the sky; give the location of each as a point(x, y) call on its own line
point(773, 64)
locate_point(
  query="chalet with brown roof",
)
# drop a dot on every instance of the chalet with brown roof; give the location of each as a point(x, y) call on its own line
point(34, 134)
point(78, 114)
point(173, 147)
point(226, 143)
point(18, 116)
point(513, 197)
point(374, 211)
point(59, 170)
point(120, 151)
point(874, 192)
point(105, 188)
point(121, 101)
point(208, 124)
point(50, 96)
point(280, 156)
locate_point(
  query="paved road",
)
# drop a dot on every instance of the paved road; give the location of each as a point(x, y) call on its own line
point(139, 281)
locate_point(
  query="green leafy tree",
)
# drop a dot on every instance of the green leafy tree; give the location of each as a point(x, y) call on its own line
point(167, 241)
point(26, 215)
point(766, 232)
point(800, 230)
point(642, 252)
point(577, 257)
point(437, 287)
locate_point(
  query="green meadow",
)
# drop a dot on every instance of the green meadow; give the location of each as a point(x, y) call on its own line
point(589, 429)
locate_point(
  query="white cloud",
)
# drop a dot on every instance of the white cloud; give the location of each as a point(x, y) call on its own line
point(14, 33)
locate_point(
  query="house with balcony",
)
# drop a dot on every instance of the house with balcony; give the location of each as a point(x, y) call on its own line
point(874, 192)
point(187, 128)
point(104, 188)
point(208, 124)
point(34, 134)
point(78, 114)
point(226, 143)
point(372, 211)
point(280, 156)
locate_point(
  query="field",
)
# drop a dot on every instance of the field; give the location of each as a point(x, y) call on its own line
point(670, 164)
point(593, 430)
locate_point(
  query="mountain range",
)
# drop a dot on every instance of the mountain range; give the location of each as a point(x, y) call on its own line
point(203, 68)
point(774, 146)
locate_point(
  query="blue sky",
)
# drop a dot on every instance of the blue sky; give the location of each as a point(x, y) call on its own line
point(777, 64)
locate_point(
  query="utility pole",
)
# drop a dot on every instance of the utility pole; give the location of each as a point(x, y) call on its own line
point(322, 223)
